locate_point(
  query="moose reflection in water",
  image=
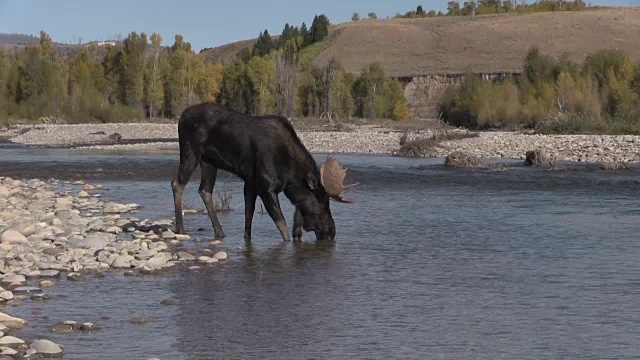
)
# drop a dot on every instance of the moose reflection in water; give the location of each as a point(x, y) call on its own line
point(266, 153)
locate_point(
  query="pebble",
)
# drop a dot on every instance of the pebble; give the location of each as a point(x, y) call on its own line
point(88, 326)
point(139, 320)
point(50, 273)
point(40, 297)
point(74, 276)
point(26, 290)
point(46, 283)
point(63, 328)
point(167, 302)
point(186, 256)
point(215, 242)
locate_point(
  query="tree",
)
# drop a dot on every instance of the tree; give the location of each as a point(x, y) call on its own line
point(431, 13)
point(304, 32)
point(319, 30)
point(154, 89)
point(355, 16)
point(209, 82)
point(4, 76)
point(453, 8)
point(236, 90)
point(86, 80)
point(470, 7)
point(41, 80)
point(286, 74)
point(176, 89)
point(194, 70)
point(367, 89)
point(419, 10)
point(244, 55)
point(135, 47)
point(372, 16)
point(264, 44)
point(114, 65)
point(261, 73)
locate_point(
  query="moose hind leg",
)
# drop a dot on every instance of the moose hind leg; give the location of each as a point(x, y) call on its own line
point(271, 202)
point(209, 174)
point(297, 225)
point(249, 208)
point(177, 186)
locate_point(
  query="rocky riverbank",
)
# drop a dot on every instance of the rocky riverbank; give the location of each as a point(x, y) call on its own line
point(359, 139)
point(50, 230)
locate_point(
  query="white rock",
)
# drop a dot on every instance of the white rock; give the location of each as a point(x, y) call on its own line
point(83, 194)
point(10, 340)
point(122, 262)
point(220, 255)
point(114, 230)
point(182, 237)
point(168, 234)
point(13, 237)
point(13, 278)
point(6, 295)
point(28, 230)
point(43, 346)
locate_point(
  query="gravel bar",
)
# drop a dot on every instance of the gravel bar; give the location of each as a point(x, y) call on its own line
point(363, 139)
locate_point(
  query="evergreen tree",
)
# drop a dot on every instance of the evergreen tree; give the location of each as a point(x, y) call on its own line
point(263, 45)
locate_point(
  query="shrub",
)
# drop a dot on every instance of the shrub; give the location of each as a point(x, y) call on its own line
point(401, 110)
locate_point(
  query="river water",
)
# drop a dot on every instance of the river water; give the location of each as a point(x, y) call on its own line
point(432, 262)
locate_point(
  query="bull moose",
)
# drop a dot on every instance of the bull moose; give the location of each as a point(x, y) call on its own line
point(266, 153)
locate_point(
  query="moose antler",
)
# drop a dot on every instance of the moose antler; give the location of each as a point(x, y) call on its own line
point(332, 176)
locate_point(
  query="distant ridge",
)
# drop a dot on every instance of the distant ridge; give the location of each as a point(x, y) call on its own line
point(484, 43)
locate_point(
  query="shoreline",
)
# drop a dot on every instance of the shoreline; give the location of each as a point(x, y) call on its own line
point(53, 232)
point(364, 139)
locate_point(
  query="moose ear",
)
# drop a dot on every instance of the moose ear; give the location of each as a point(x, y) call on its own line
point(312, 181)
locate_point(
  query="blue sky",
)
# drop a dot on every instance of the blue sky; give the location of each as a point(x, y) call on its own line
point(203, 23)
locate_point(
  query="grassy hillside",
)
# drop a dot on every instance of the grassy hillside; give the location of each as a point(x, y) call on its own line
point(485, 43)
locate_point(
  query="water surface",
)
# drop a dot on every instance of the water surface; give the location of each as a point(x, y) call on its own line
point(430, 263)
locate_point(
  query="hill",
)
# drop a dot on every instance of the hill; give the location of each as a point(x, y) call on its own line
point(484, 43)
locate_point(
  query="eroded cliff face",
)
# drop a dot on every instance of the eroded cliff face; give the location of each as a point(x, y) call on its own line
point(424, 92)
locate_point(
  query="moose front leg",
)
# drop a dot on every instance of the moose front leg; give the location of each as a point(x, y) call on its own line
point(249, 208)
point(209, 174)
point(297, 225)
point(270, 200)
point(178, 184)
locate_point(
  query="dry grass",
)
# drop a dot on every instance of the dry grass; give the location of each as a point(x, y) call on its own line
point(226, 53)
point(612, 166)
point(539, 157)
point(459, 159)
point(222, 201)
point(484, 43)
point(424, 146)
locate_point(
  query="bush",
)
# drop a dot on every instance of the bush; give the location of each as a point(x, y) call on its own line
point(600, 96)
point(459, 159)
point(401, 110)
